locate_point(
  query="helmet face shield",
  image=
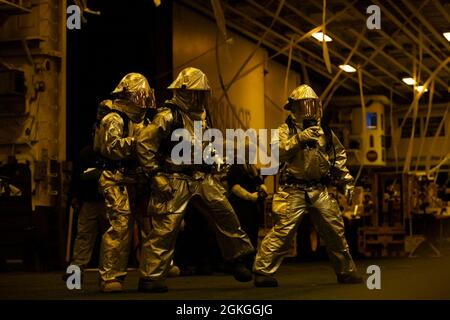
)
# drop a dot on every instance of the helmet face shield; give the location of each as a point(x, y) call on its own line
point(135, 88)
point(194, 100)
point(150, 101)
point(141, 97)
point(306, 108)
point(200, 98)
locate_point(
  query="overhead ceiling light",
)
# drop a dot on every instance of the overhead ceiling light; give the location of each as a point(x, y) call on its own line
point(347, 68)
point(447, 35)
point(409, 81)
point(319, 36)
point(421, 89)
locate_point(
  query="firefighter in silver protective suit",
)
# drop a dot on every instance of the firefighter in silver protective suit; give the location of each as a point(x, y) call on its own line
point(311, 156)
point(176, 184)
point(122, 182)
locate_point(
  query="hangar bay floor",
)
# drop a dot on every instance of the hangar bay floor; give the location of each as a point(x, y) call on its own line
point(407, 278)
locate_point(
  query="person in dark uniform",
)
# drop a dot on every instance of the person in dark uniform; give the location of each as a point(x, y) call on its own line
point(88, 201)
point(247, 192)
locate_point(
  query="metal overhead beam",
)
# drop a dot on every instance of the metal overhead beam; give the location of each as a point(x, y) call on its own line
point(410, 35)
point(276, 34)
point(442, 10)
point(247, 20)
point(378, 50)
point(300, 32)
point(413, 25)
point(343, 43)
point(392, 60)
point(268, 44)
point(414, 38)
point(10, 7)
point(424, 21)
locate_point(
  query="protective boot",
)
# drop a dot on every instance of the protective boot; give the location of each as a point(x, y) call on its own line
point(111, 286)
point(240, 272)
point(351, 278)
point(152, 286)
point(262, 281)
point(174, 272)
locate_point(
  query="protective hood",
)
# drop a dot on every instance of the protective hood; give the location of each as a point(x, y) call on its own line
point(191, 79)
point(191, 92)
point(135, 88)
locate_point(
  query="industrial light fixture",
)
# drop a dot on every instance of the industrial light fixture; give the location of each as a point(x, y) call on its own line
point(347, 68)
point(409, 81)
point(447, 35)
point(320, 36)
point(421, 89)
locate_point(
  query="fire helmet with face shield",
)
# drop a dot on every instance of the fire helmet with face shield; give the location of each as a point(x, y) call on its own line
point(305, 103)
point(134, 96)
point(191, 89)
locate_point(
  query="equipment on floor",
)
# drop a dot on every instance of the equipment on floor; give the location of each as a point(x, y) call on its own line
point(384, 235)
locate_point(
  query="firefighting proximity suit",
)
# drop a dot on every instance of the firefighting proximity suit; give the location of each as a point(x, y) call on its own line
point(311, 156)
point(122, 181)
point(177, 184)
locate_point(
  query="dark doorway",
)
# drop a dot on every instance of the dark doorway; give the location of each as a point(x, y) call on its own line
point(128, 36)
